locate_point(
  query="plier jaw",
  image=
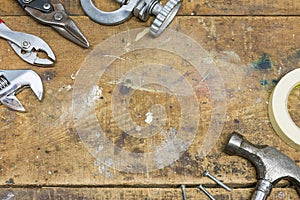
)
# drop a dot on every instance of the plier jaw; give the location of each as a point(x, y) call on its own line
point(52, 13)
point(27, 46)
point(13, 81)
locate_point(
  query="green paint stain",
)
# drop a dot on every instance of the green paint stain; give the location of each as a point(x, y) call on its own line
point(263, 63)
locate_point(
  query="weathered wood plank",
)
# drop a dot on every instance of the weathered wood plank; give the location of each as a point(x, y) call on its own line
point(194, 7)
point(136, 193)
point(41, 147)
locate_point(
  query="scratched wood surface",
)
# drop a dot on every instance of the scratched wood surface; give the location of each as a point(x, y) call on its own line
point(190, 7)
point(254, 43)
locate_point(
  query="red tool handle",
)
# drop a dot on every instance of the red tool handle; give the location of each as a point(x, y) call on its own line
point(3, 25)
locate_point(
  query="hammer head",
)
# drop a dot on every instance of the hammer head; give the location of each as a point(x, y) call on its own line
point(271, 164)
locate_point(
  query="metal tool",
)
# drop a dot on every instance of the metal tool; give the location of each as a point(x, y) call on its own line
point(271, 165)
point(207, 174)
point(27, 46)
point(52, 13)
point(202, 188)
point(183, 192)
point(142, 9)
point(13, 81)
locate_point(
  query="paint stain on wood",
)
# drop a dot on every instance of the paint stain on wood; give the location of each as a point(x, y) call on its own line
point(263, 63)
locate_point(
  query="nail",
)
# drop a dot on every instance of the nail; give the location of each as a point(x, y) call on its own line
point(207, 174)
point(183, 192)
point(202, 188)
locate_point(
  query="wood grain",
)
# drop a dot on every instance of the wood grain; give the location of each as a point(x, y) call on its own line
point(190, 7)
point(135, 193)
point(41, 148)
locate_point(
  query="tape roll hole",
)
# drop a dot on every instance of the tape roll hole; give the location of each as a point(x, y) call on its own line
point(293, 105)
point(113, 5)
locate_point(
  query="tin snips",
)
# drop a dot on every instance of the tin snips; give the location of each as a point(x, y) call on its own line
point(27, 46)
point(52, 13)
point(13, 81)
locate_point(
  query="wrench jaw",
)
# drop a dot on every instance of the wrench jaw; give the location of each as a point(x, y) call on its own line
point(13, 103)
point(17, 80)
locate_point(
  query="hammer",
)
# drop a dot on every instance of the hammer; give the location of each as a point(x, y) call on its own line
point(271, 164)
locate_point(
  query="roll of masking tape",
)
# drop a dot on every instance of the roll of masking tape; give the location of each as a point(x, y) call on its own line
point(279, 115)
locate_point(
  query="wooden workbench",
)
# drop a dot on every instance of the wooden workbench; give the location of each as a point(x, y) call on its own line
point(253, 43)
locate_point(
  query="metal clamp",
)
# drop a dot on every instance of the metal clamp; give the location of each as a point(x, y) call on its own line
point(109, 18)
point(142, 9)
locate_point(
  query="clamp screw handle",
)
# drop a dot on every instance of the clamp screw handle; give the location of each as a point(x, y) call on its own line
point(164, 14)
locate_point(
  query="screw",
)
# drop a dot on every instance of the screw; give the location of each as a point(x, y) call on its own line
point(183, 192)
point(27, 1)
point(202, 188)
point(26, 44)
point(46, 6)
point(207, 174)
point(58, 16)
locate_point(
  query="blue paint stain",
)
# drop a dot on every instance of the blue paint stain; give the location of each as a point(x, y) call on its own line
point(263, 63)
point(298, 54)
point(263, 82)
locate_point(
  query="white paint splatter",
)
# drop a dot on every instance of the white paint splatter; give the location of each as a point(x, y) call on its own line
point(229, 56)
point(279, 71)
point(173, 131)
point(65, 87)
point(9, 196)
point(208, 60)
point(281, 195)
point(228, 118)
point(171, 144)
point(259, 100)
point(73, 76)
point(127, 47)
point(98, 135)
point(138, 128)
point(149, 117)
point(104, 169)
point(97, 162)
point(112, 56)
point(249, 29)
point(68, 88)
point(209, 27)
point(99, 149)
point(98, 92)
point(142, 34)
